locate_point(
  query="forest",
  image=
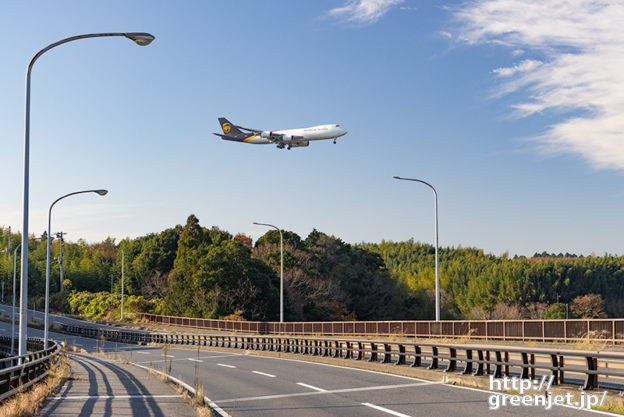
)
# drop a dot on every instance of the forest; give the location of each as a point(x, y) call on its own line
point(196, 271)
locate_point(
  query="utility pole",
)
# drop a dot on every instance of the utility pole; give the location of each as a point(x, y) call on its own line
point(122, 283)
point(111, 300)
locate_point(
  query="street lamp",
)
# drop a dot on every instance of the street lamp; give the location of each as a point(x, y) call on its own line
point(139, 38)
point(49, 238)
point(437, 270)
point(281, 267)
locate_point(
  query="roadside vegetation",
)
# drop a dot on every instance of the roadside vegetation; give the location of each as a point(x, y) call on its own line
point(28, 403)
point(192, 270)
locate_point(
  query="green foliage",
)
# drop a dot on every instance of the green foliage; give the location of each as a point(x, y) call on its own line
point(97, 305)
point(474, 279)
point(556, 311)
point(206, 272)
point(214, 275)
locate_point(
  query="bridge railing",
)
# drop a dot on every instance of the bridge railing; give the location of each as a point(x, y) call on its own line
point(583, 368)
point(573, 330)
point(20, 372)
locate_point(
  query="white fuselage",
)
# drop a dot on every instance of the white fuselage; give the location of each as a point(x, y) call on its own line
point(320, 132)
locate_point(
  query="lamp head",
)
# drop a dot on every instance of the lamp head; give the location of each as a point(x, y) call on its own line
point(101, 192)
point(140, 38)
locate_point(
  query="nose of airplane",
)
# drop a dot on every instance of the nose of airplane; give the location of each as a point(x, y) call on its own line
point(343, 132)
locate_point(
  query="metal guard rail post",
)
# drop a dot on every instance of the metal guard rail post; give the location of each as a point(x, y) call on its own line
point(504, 361)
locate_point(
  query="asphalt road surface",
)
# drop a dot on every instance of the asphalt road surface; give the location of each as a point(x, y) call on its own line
point(247, 385)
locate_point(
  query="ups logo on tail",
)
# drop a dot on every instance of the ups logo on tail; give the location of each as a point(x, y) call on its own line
point(226, 128)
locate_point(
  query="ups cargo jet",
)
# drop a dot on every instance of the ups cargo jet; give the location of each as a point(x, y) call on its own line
point(291, 138)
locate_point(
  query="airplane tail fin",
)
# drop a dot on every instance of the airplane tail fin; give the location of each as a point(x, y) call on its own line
point(229, 128)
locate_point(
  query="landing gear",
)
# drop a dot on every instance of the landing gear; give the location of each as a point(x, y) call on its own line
point(289, 146)
point(334, 141)
point(280, 146)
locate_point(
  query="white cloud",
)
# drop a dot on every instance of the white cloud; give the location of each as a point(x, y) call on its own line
point(523, 66)
point(581, 42)
point(363, 11)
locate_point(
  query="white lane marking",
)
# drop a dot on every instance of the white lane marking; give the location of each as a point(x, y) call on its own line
point(110, 397)
point(264, 374)
point(336, 391)
point(142, 353)
point(168, 356)
point(311, 387)
point(385, 410)
point(227, 366)
point(194, 360)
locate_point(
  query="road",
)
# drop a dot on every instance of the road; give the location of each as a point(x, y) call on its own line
point(247, 385)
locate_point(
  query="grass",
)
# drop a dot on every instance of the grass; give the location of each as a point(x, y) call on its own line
point(28, 403)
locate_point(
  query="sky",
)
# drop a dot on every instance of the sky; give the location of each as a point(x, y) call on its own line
point(512, 109)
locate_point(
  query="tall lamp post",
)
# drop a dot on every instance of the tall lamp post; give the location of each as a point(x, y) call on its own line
point(281, 267)
point(49, 238)
point(139, 38)
point(437, 269)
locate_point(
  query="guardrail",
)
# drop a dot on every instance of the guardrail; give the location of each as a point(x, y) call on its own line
point(573, 330)
point(588, 369)
point(20, 372)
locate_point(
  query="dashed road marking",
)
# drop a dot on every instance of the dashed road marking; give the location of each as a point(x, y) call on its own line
point(311, 387)
point(194, 360)
point(264, 374)
point(227, 366)
point(385, 410)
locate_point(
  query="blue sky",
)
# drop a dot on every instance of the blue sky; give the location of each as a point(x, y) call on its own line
point(510, 109)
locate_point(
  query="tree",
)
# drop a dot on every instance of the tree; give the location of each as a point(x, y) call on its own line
point(590, 306)
point(556, 311)
point(214, 276)
point(244, 239)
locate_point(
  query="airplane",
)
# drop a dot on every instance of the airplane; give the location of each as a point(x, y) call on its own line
point(291, 138)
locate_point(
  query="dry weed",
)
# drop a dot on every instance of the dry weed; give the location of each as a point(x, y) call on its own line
point(28, 403)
